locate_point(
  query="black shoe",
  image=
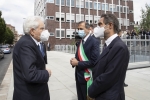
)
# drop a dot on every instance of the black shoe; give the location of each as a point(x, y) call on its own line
point(125, 85)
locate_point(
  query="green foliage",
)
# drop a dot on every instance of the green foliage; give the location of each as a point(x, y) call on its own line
point(137, 30)
point(145, 22)
point(0, 14)
point(6, 35)
point(2, 27)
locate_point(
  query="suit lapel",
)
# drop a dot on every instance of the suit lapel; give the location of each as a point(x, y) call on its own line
point(87, 42)
point(36, 47)
point(106, 51)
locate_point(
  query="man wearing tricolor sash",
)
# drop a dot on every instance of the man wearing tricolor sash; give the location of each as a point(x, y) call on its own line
point(87, 53)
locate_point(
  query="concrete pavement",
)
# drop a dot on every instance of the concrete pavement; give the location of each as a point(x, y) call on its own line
point(62, 82)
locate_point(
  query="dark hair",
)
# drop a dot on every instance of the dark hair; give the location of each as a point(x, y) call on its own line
point(111, 18)
point(87, 25)
point(119, 31)
point(91, 25)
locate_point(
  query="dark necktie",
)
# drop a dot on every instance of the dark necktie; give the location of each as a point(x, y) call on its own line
point(104, 47)
point(82, 41)
point(42, 49)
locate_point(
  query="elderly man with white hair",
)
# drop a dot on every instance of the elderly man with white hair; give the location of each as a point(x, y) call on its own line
point(30, 73)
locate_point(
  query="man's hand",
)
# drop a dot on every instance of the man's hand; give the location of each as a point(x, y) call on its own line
point(49, 71)
point(74, 62)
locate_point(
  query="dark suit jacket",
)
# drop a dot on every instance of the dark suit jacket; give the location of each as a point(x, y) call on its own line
point(92, 51)
point(109, 72)
point(30, 76)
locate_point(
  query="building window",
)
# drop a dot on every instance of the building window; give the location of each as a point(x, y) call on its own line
point(57, 16)
point(87, 3)
point(112, 7)
point(89, 18)
point(103, 6)
point(57, 2)
point(128, 10)
point(96, 19)
point(68, 18)
point(121, 21)
point(58, 35)
point(97, 4)
point(78, 18)
point(121, 9)
point(68, 3)
point(125, 8)
point(69, 33)
point(126, 22)
point(78, 4)
point(117, 8)
point(50, 1)
point(107, 7)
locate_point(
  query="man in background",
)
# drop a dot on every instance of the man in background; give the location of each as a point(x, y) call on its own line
point(93, 35)
point(89, 47)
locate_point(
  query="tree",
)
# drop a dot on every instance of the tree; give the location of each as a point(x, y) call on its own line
point(2, 27)
point(8, 36)
point(145, 21)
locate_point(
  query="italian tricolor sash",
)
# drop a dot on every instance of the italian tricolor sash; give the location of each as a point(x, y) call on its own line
point(88, 71)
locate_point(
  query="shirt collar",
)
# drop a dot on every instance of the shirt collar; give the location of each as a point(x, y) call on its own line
point(110, 39)
point(86, 37)
point(37, 43)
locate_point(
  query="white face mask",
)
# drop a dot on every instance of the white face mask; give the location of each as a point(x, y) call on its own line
point(99, 31)
point(44, 35)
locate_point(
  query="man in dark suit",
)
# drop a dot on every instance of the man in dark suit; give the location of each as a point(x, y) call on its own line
point(92, 33)
point(30, 74)
point(110, 68)
point(91, 51)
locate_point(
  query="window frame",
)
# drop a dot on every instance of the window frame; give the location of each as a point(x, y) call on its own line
point(71, 3)
point(99, 3)
point(59, 17)
point(73, 30)
point(72, 15)
point(88, 4)
point(59, 33)
point(48, 1)
point(82, 6)
point(59, 3)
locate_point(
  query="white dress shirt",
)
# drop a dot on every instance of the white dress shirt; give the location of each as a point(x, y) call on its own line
point(86, 38)
point(110, 39)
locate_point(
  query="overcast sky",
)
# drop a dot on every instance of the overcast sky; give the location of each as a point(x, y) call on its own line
point(14, 11)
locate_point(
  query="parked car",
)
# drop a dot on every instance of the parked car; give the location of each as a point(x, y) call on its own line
point(1, 54)
point(5, 49)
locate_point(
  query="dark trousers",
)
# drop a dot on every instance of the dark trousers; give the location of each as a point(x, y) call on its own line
point(81, 90)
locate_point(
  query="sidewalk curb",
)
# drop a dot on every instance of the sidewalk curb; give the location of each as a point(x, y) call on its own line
point(5, 85)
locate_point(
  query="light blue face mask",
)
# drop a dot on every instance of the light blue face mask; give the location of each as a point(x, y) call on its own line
point(81, 33)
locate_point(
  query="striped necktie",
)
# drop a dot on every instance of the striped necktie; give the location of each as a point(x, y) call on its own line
point(42, 49)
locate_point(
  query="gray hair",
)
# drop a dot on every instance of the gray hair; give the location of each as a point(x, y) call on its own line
point(31, 22)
